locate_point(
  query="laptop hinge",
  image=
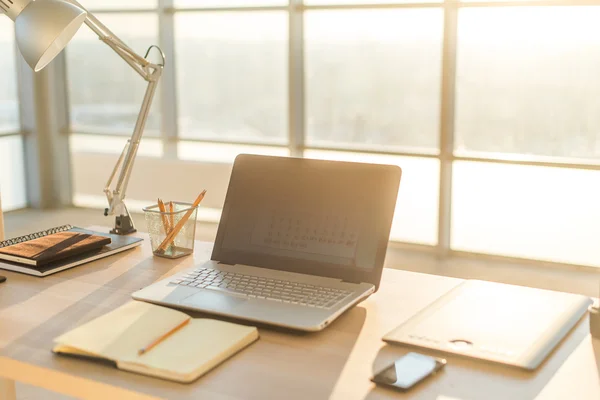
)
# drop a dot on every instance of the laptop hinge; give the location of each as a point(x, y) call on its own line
point(354, 282)
point(224, 263)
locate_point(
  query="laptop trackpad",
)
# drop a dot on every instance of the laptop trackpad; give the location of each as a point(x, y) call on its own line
point(211, 300)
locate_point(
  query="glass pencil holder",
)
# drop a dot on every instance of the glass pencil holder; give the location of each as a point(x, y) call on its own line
point(172, 233)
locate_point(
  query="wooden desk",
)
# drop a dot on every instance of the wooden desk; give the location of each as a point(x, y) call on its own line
point(335, 363)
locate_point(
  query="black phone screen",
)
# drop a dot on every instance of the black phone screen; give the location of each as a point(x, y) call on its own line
point(409, 370)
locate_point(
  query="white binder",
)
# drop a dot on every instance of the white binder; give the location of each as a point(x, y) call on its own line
point(508, 324)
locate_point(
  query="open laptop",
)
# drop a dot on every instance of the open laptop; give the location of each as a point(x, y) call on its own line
point(299, 242)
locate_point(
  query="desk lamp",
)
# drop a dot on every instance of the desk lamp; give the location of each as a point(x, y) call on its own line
point(43, 28)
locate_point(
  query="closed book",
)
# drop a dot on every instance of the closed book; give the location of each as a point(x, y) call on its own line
point(116, 244)
point(54, 247)
point(183, 356)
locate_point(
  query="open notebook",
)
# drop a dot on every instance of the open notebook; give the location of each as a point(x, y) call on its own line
point(184, 356)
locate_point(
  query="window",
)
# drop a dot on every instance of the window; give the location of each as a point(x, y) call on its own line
point(9, 106)
point(373, 78)
point(232, 76)
point(531, 89)
point(12, 176)
point(105, 92)
point(527, 93)
point(543, 213)
point(101, 5)
point(491, 111)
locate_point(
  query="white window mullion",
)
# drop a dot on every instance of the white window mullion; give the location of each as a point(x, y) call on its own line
point(168, 90)
point(296, 95)
point(447, 114)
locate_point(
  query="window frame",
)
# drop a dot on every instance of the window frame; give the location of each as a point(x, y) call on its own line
point(446, 154)
point(18, 131)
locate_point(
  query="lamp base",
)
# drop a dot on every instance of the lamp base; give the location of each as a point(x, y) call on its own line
point(123, 225)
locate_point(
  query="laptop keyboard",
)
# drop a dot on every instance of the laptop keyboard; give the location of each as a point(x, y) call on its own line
point(263, 288)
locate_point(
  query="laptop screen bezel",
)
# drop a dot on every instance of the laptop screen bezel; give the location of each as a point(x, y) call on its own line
point(386, 198)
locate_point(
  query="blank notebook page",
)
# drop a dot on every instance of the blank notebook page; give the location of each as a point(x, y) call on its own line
point(196, 347)
point(124, 331)
point(201, 344)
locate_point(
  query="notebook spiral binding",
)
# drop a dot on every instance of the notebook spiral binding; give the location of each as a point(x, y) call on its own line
point(36, 235)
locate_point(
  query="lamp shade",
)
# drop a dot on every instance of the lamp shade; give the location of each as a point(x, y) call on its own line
point(44, 28)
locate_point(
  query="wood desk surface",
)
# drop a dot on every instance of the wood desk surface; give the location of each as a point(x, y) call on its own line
point(335, 363)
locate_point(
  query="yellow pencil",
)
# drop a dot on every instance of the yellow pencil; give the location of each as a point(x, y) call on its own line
point(163, 210)
point(172, 216)
point(163, 337)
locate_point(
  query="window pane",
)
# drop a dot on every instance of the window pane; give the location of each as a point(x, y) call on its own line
point(373, 77)
point(105, 92)
point(228, 3)
point(9, 106)
point(224, 153)
point(12, 173)
point(528, 81)
point(486, 1)
point(113, 145)
point(336, 2)
point(118, 4)
point(531, 212)
point(232, 75)
point(93, 159)
point(416, 215)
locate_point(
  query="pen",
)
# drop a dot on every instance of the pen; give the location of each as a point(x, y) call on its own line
point(163, 337)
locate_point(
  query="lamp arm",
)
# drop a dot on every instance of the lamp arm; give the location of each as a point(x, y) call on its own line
point(151, 73)
point(140, 64)
point(132, 146)
point(123, 223)
point(103, 32)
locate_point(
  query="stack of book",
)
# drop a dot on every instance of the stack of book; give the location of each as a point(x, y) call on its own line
point(53, 250)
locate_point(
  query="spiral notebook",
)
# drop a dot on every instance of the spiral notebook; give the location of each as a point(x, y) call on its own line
point(117, 244)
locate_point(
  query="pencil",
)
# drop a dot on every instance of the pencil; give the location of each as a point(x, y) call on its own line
point(163, 210)
point(171, 215)
point(162, 337)
point(172, 218)
point(181, 222)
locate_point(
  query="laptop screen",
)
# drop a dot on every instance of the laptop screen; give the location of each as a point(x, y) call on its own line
point(308, 213)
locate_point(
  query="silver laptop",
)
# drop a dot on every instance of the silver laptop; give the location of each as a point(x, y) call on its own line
point(300, 241)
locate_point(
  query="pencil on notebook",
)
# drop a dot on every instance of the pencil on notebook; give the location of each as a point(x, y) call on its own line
point(181, 222)
point(162, 337)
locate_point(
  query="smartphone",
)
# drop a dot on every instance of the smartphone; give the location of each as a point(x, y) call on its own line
point(408, 370)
